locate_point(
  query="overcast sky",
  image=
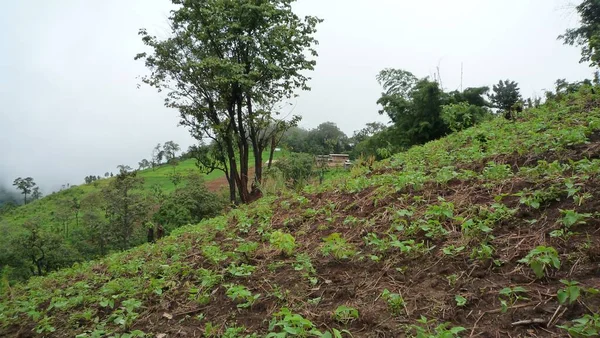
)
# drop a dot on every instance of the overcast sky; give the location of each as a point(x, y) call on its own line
point(70, 107)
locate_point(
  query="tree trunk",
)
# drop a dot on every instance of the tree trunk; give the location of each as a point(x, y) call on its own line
point(272, 151)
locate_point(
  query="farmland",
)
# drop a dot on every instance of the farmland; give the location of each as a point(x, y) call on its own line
point(492, 231)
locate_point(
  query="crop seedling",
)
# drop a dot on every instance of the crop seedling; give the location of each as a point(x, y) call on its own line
point(482, 252)
point(241, 295)
point(291, 325)
point(394, 300)
point(214, 254)
point(570, 293)
point(242, 270)
point(452, 250)
point(426, 329)
point(283, 242)
point(587, 326)
point(510, 296)
point(345, 314)
point(337, 246)
point(540, 258)
point(569, 219)
point(304, 264)
point(460, 300)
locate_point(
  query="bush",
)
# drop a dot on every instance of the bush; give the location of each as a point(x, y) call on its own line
point(297, 169)
point(462, 115)
point(189, 205)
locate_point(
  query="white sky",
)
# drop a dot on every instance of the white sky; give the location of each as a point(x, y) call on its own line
point(70, 106)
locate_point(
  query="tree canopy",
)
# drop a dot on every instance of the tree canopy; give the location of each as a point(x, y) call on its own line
point(586, 36)
point(225, 64)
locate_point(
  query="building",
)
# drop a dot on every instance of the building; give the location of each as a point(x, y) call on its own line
point(334, 160)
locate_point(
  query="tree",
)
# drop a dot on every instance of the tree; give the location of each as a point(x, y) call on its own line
point(123, 168)
point(25, 185)
point(44, 250)
point(505, 97)
point(143, 164)
point(587, 36)
point(223, 64)
point(36, 194)
point(369, 130)
point(414, 106)
point(170, 150)
point(157, 156)
point(125, 206)
point(327, 138)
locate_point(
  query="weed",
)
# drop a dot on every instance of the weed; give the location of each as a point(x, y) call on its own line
point(540, 258)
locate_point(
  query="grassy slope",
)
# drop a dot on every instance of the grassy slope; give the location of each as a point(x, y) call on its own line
point(42, 210)
point(443, 222)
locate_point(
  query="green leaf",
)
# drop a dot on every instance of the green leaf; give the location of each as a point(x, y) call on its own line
point(562, 296)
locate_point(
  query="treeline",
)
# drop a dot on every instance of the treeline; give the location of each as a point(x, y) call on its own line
point(119, 216)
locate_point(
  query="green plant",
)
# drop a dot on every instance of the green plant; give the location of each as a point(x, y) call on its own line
point(345, 314)
point(510, 296)
point(242, 270)
point(214, 254)
point(482, 252)
point(283, 242)
point(570, 293)
point(587, 326)
point(452, 279)
point(304, 264)
point(337, 246)
point(426, 329)
point(452, 250)
point(291, 325)
point(571, 217)
point(540, 258)
point(241, 295)
point(460, 300)
point(395, 301)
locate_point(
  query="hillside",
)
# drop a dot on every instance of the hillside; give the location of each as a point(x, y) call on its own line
point(480, 233)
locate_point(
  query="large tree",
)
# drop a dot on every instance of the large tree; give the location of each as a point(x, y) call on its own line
point(224, 62)
point(25, 185)
point(587, 36)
